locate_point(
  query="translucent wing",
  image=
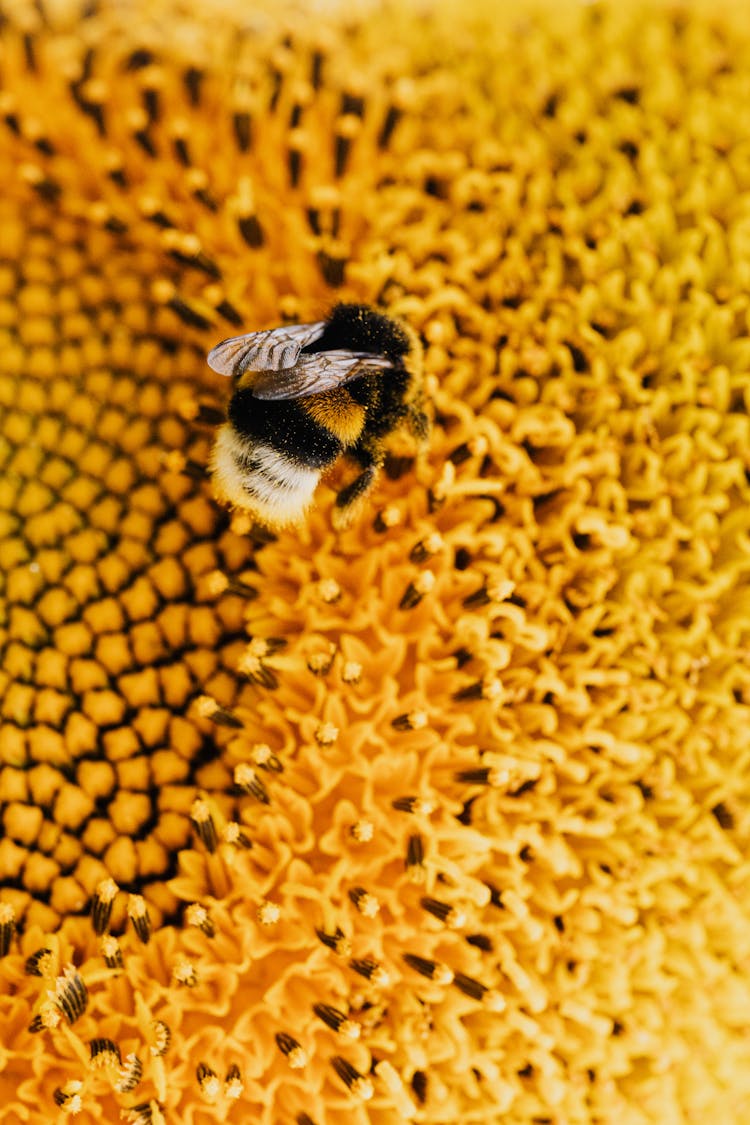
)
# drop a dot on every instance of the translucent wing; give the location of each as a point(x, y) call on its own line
point(319, 371)
point(263, 351)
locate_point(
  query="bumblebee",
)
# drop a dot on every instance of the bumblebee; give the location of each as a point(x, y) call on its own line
point(303, 396)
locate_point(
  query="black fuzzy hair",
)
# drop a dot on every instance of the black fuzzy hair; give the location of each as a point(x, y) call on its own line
point(360, 328)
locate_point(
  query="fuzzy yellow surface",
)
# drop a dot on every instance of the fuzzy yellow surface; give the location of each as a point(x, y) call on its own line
point(445, 816)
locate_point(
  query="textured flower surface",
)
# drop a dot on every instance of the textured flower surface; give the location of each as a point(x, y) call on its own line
point(443, 816)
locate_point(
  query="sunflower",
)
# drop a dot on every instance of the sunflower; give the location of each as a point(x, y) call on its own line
point(441, 816)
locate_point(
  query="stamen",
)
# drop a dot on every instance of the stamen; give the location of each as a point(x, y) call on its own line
point(70, 994)
point(329, 590)
point(351, 673)
point(208, 708)
point(371, 970)
point(420, 806)
point(246, 779)
point(263, 756)
point(362, 831)
point(233, 1085)
point(145, 1113)
point(268, 913)
point(197, 915)
point(161, 1036)
point(101, 905)
point(338, 1020)
point(336, 941)
point(7, 927)
point(412, 720)
point(326, 734)
point(203, 822)
point(417, 589)
point(104, 1052)
point(488, 688)
point(320, 663)
point(208, 1081)
point(110, 951)
point(139, 916)
point(366, 903)
point(415, 858)
point(491, 592)
point(295, 1054)
point(433, 970)
point(184, 972)
point(233, 834)
point(69, 1097)
point(469, 986)
point(130, 1074)
point(451, 916)
point(40, 964)
point(387, 519)
point(426, 548)
point(355, 1082)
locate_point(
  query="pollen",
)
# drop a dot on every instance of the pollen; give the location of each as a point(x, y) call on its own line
point(440, 815)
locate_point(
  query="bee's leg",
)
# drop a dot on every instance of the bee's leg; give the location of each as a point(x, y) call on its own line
point(356, 490)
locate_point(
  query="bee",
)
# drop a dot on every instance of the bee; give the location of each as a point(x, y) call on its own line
point(303, 396)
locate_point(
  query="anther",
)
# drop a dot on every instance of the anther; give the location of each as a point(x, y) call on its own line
point(337, 941)
point(366, 903)
point(197, 916)
point(218, 583)
point(329, 590)
point(203, 822)
point(145, 1113)
point(417, 590)
point(130, 1074)
point(433, 970)
point(355, 1082)
point(469, 986)
point(101, 905)
point(488, 689)
point(69, 1098)
point(387, 519)
point(40, 964)
point(208, 708)
point(208, 1081)
point(161, 1036)
point(495, 592)
point(417, 805)
point(320, 663)
point(232, 834)
point(362, 831)
point(139, 916)
point(337, 1021)
point(371, 970)
point(411, 720)
point(426, 548)
point(415, 858)
point(447, 914)
point(251, 665)
point(264, 757)
point(7, 927)
point(70, 994)
point(292, 1050)
point(268, 914)
point(233, 1085)
point(246, 779)
point(109, 947)
point(184, 972)
point(352, 671)
point(104, 1053)
point(326, 734)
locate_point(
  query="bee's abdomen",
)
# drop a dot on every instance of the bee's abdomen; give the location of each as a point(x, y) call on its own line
point(286, 427)
point(253, 475)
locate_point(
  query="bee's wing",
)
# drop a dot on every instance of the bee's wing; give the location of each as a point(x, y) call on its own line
point(316, 372)
point(277, 348)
